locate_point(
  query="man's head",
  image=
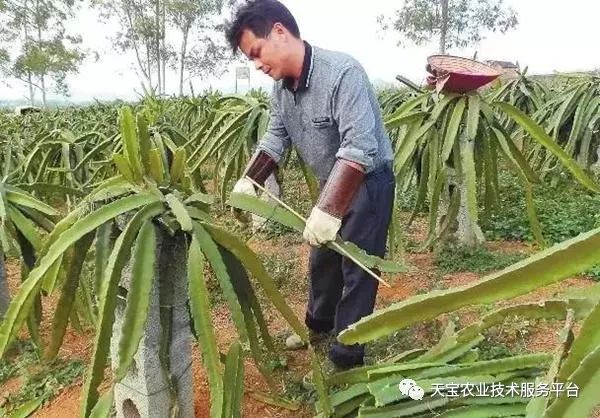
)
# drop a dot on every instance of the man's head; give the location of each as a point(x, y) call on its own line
point(267, 33)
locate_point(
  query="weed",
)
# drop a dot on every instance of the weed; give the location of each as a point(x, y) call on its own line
point(281, 267)
point(594, 273)
point(564, 211)
point(47, 383)
point(490, 349)
point(406, 200)
point(271, 229)
point(421, 335)
point(454, 258)
point(412, 245)
point(22, 354)
point(41, 382)
point(295, 391)
point(506, 339)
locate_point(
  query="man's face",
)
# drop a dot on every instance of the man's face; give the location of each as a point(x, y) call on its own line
point(268, 54)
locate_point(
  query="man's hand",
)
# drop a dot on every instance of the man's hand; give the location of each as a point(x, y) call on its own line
point(321, 227)
point(325, 220)
point(244, 186)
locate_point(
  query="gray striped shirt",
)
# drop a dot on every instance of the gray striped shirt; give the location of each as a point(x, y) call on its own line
point(333, 114)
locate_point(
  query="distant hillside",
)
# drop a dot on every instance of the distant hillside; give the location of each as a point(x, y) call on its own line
point(570, 74)
point(11, 104)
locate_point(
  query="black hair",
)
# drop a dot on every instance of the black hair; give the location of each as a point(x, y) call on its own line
point(259, 16)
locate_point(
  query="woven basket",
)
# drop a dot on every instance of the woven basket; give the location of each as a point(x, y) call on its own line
point(459, 75)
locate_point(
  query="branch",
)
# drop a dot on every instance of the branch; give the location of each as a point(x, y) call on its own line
point(12, 73)
point(409, 83)
point(134, 43)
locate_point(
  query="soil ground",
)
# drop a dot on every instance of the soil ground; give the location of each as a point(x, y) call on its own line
point(291, 260)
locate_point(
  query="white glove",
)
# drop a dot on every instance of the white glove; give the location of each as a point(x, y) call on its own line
point(321, 227)
point(244, 186)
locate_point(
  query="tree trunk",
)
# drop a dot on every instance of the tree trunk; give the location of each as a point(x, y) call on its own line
point(29, 80)
point(145, 69)
point(31, 90)
point(182, 60)
point(164, 48)
point(157, 46)
point(39, 39)
point(444, 27)
point(149, 63)
point(43, 90)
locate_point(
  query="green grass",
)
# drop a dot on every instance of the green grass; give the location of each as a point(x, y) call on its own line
point(490, 350)
point(47, 383)
point(21, 355)
point(594, 273)
point(41, 382)
point(564, 211)
point(281, 267)
point(455, 258)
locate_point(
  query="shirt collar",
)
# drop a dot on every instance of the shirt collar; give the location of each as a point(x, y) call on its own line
point(307, 67)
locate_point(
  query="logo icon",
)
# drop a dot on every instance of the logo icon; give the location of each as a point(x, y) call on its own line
point(409, 387)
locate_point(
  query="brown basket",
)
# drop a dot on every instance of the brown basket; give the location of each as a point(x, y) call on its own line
point(459, 65)
point(458, 75)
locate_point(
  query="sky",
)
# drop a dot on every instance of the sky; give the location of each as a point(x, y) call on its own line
point(552, 36)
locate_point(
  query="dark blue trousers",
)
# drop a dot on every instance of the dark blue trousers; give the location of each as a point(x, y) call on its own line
point(341, 293)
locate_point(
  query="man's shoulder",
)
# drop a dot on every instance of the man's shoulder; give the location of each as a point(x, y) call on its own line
point(335, 60)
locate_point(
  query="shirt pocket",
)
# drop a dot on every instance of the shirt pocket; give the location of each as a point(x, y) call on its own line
point(323, 131)
point(321, 122)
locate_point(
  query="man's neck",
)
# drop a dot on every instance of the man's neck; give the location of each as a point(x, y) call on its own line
point(298, 61)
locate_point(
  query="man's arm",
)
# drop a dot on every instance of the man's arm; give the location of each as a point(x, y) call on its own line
point(352, 111)
point(355, 119)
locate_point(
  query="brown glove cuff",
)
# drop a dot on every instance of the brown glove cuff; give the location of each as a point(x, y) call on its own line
point(261, 167)
point(341, 187)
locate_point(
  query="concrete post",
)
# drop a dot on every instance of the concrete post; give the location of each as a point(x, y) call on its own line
point(596, 166)
point(145, 392)
point(4, 293)
point(469, 233)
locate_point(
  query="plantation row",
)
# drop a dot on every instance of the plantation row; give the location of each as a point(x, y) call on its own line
point(108, 183)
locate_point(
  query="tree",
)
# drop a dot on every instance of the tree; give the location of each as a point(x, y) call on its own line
point(177, 33)
point(205, 57)
point(141, 32)
point(455, 23)
point(42, 51)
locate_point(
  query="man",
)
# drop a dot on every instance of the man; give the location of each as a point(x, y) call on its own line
point(324, 106)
